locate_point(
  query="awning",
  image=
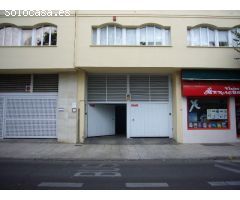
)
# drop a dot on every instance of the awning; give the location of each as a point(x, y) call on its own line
point(203, 88)
point(230, 75)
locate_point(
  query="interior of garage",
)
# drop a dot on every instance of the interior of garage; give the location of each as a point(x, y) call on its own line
point(121, 120)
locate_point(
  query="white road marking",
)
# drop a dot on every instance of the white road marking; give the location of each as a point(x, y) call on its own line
point(224, 183)
point(233, 182)
point(145, 185)
point(227, 168)
point(217, 183)
point(98, 170)
point(228, 163)
point(60, 184)
point(101, 165)
point(97, 174)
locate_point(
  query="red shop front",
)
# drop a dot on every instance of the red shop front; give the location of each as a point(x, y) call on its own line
point(208, 104)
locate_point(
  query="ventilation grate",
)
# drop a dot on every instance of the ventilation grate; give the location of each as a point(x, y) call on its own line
point(45, 83)
point(15, 82)
point(107, 87)
point(149, 88)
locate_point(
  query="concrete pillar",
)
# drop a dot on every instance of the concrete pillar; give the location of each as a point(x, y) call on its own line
point(81, 97)
point(177, 107)
point(67, 97)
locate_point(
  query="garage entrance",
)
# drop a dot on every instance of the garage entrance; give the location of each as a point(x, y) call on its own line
point(131, 105)
point(107, 119)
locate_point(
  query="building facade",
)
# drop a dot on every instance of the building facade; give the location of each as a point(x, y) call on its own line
point(131, 73)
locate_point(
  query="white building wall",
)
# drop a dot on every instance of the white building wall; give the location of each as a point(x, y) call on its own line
point(210, 136)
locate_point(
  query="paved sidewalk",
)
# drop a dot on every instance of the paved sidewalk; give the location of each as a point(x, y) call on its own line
point(53, 150)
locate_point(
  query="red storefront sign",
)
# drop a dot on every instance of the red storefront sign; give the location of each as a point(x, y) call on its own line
point(201, 88)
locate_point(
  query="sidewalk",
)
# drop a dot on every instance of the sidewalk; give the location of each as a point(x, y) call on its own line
point(58, 151)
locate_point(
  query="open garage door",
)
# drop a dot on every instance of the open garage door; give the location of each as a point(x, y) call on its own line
point(101, 120)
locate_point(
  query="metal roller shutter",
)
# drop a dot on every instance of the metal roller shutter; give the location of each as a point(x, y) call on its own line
point(107, 88)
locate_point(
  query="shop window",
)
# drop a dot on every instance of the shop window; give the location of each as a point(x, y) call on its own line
point(208, 113)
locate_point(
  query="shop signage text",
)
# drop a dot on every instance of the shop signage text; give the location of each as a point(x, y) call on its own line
point(198, 89)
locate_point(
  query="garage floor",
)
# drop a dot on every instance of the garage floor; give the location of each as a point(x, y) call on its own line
point(120, 140)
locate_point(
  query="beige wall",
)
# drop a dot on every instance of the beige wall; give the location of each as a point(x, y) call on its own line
point(81, 77)
point(177, 55)
point(177, 107)
point(58, 57)
point(67, 121)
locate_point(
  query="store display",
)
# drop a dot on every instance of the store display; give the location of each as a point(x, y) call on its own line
point(207, 113)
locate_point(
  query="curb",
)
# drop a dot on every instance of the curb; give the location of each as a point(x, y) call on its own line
point(111, 160)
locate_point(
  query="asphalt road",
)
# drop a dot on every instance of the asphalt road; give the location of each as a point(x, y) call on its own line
point(146, 174)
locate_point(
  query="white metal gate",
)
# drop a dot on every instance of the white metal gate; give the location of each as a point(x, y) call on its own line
point(150, 110)
point(28, 115)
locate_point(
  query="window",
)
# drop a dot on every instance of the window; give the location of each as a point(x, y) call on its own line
point(153, 35)
point(208, 113)
point(223, 38)
point(108, 35)
point(26, 37)
point(205, 36)
point(144, 36)
point(103, 36)
point(235, 32)
point(201, 37)
point(41, 36)
point(2, 30)
point(118, 36)
point(94, 36)
point(131, 36)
